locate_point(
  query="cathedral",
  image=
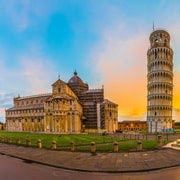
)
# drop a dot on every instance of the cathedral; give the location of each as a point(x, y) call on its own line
point(70, 108)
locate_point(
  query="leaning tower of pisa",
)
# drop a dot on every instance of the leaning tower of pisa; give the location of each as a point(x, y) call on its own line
point(159, 82)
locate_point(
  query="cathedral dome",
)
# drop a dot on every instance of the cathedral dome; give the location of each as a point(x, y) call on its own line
point(75, 79)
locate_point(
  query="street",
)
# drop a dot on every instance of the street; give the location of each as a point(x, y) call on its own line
point(13, 168)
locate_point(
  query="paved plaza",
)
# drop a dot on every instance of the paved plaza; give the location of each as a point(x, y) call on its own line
point(100, 162)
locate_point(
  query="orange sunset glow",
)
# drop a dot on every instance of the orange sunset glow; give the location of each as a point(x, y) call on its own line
point(123, 65)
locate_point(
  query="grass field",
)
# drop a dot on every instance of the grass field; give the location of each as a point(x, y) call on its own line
point(177, 131)
point(81, 141)
point(62, 140)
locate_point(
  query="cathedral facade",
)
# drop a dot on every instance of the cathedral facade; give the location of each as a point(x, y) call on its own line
point(70, 108)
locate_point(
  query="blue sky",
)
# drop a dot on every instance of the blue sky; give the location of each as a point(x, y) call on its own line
point(104, 40)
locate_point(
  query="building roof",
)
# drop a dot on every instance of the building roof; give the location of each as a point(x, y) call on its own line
point(75, 79)
point(39, 106)
point(159, 31)
point(34, 96)
point(109, 102)
point(58, 81)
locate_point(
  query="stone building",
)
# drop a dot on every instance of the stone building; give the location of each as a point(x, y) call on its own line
point(95, 107)
point(59, 111)
point(71, 108)
point(110, 116)
point(133, 125)
point(160, 82)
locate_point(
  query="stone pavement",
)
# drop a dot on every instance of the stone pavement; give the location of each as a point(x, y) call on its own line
point(101, 162)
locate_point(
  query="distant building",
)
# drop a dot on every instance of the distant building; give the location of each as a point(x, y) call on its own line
point(132, 125)
point(2, 127)
point(71, 108)
point(110, 116)
point(176, 125)
point(159, 82)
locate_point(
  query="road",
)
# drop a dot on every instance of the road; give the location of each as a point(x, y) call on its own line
point(12, 169)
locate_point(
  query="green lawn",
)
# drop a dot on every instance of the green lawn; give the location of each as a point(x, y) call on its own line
point(62, 140)
point(177, 131)
point(124, 146)
point(81, 141)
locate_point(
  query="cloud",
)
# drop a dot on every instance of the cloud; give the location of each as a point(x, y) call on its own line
point(2, 115)
point(36, 74)
point(31, 74)
point(6, 101)
point(25, 13)
point(122, 64)
point(176, 115)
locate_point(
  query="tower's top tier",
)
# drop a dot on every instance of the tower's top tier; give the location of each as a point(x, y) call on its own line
point(159, 38)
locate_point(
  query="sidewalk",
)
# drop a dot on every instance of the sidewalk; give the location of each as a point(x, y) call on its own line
point(101, 162)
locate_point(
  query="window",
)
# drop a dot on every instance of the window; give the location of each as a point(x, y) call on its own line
point(155, 54)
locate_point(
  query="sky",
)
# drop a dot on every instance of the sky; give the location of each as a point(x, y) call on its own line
point(105, 41)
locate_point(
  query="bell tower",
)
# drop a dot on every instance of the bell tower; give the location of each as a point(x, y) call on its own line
point(159, 82)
